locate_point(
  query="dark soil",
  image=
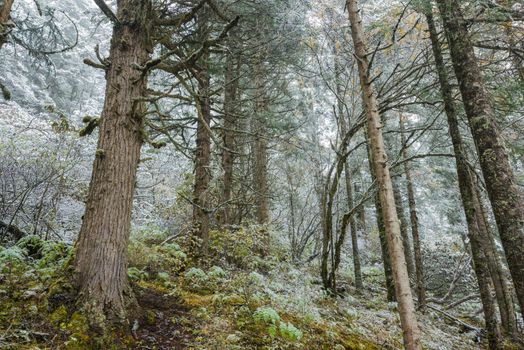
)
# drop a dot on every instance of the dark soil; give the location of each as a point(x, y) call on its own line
point(161, 325)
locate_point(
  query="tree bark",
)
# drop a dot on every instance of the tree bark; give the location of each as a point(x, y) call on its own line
point(100, 256)
point(361, 231)
point(411, 332)
point(203, 144)
point(386, 260)
point(354, 233)
point(501, 284)
point(260, 147)
point(466, 187)
point(342, 120)
point(404, 232)
point(413, 217)
point(228, 136)
point(5, 13)
point(504, 194)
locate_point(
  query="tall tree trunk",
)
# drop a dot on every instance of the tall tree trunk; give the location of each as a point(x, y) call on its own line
point(228, 135)
point(203, 144)
point(501, 284)
point(100, 256)
point(404, 232)
point(354, 232)
point(411, 332)
point(504, 194)
point(386, 260)
point(466, 186)
point(413, 217)
point(260, 147)
point(5, 13)
point(344, 122)
point(360, 230)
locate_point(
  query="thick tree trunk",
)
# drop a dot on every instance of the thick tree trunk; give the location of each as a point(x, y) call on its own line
point(5, 13)
point(404, 232)
point(203, 145)
point(413, 217)
point(228, 135)
point(100, 257)
point(411, 332)
point(501, 284)
point(466, 186)
point(504, 194)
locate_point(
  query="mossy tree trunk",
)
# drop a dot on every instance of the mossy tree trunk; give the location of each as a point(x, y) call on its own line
point(411, 332)
point(5, 13)
point(100, 256)
point(203, 140)
point(467, 192)
point(503, 191)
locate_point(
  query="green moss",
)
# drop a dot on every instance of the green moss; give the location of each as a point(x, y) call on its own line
point(78, 328)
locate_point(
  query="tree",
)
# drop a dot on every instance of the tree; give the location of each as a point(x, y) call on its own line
point(231, 84)
point(411, 332)
point(504, 193)
point(469, 196)
point(201, 202)
point(5, 25)
point(100, 251)
point(413, 217)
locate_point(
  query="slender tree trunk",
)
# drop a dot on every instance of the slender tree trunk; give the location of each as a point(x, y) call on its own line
point(100, 256)
point(342, 120)
point(260, 147)
point(404, 232)
point(413, 217)
point(360, 230)
point(203, 145)
point(411, 332)
point(386, 260)
point(504, 194)
point(5, 13)
point(466, 186)
point(228, 136)
point(354, 233)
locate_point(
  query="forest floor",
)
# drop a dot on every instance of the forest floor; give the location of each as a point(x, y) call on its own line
point(236, 300)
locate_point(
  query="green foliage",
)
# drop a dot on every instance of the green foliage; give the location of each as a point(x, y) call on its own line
point(150, 234)
point(152, 259)
point(163, 276)
point(32, 244)
point(243, 247)
point(12, 255)
point(216, 272)
point(269, 317)
point(136, 274)
point(266, 315)
point(289, 332)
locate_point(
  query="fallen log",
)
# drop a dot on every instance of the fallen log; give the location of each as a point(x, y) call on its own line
point(465, 325)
